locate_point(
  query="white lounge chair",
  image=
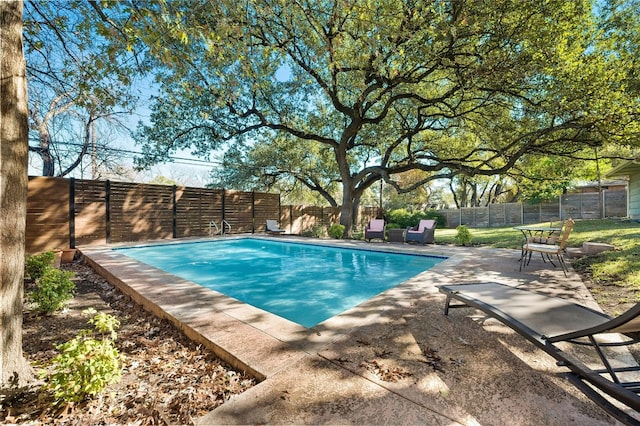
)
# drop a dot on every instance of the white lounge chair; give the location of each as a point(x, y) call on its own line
point(273, 228)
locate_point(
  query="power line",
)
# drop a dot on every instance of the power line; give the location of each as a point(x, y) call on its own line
point(174, 159)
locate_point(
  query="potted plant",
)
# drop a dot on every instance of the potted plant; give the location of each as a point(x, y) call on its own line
point(66, 255)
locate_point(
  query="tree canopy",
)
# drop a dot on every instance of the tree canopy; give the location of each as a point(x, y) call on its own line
point(80, 74)
point(351, 92)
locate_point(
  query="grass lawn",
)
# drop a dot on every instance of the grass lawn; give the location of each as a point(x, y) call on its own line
point(619, 268)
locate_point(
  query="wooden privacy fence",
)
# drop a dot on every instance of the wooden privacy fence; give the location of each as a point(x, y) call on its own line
point(297, 219)
point(586, 205)
point(71, 212)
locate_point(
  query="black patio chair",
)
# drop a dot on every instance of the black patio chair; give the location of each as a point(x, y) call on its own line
point(547, 321)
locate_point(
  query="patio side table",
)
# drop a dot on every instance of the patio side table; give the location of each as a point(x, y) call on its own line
point(396, 235)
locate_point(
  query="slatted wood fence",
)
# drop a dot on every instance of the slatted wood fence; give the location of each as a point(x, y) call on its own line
point(73, 212)
point(588, 205)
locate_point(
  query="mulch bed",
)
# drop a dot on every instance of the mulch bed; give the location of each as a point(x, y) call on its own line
point(166, 378)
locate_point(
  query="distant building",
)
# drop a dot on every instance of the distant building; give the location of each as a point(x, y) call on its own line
point(630, 170)
point(609, 185)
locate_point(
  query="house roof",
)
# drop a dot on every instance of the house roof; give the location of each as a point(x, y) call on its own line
point(604, 183)
point(626, 168)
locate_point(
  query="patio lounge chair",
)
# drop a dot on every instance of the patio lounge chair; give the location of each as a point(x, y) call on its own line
point(273, 228)
point(545, 249)
point(549, 321)
point(375, 229)
point(423, 233)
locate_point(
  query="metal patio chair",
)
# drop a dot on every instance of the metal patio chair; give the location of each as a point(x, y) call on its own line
point(547, 321)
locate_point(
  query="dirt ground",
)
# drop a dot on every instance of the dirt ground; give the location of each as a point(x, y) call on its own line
point(167, 379)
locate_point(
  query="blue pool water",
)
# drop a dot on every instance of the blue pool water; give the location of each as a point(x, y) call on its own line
point(304, 283)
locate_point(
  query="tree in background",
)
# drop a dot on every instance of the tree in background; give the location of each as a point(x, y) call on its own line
point(449, 88)
point(14, 369)
point(80, 74)
point(418, 199)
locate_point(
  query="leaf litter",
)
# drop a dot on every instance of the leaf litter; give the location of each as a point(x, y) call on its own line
point(166, 379)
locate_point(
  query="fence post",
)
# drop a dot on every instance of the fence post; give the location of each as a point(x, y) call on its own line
point(175, 212)
point(253, 212)
point(224, 208)
point(539, 212)
point(560, 207)
point(107, 204)
point(72, 213)
point(291, 218)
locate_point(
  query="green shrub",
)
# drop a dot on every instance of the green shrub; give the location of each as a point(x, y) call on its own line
point(53, 289)
point(315, 231)
point(404, 218)
point(394, 226)
point(36, 265)
point(463, 235)
point(336, 231)
point(87, 363)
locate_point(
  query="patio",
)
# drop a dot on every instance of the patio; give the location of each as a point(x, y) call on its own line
point(395, 359)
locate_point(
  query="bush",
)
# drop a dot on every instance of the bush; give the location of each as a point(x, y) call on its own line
point(404, 218)
point(53, 289)
point(36, 265)
point(87, 363)
point(357, 234)
point(316, 231)
point(336, 231)
point(463, 235)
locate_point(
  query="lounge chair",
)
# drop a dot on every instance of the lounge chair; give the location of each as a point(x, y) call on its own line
point(549, 321)
point(375, 229)
point(273, 228)
point(423, 233)
point(549, 249)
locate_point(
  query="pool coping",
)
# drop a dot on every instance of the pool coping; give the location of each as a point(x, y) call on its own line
point(213, 319)
point(320, 376)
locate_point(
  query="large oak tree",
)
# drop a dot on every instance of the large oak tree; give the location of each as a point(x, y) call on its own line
point(380, 88)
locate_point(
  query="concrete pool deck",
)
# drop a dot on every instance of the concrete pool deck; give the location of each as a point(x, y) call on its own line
point(395, 359)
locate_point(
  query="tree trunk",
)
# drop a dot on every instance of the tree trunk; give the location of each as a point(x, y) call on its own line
point(48, 164)
point(15, 370)
point(346, 211)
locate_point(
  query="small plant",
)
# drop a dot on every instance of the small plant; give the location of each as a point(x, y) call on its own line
point(37, 264)
point(336, 231)
point(316, 231)
point(463, 235)
point(87, 363)
point(53, 290)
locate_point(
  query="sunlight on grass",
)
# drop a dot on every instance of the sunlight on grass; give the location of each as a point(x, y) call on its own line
point(620, 267)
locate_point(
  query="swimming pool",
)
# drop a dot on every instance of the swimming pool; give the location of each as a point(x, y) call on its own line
point(304, 283)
